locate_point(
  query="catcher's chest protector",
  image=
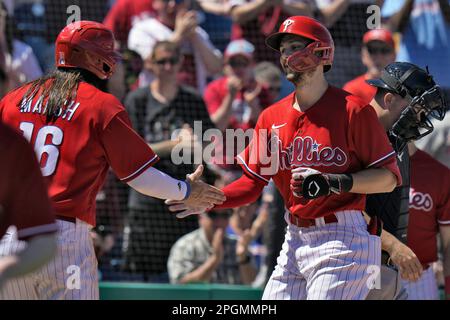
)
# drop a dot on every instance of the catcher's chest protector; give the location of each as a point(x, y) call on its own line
point(393, 207)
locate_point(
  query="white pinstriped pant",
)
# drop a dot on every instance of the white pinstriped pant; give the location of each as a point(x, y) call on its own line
point(425, 288)
point(54, 281)
point(328, 262)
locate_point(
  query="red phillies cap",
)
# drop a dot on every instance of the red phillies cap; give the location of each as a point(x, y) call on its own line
point(380, 35)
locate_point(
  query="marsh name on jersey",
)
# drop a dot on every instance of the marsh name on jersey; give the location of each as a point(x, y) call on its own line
point(67, 112)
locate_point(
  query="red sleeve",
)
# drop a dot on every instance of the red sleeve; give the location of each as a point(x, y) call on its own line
point(348, 87)
point(256, 160)
point(243, 191)
point(28, 208)
point(213, 97)
point(127, 153)
point(370, 142)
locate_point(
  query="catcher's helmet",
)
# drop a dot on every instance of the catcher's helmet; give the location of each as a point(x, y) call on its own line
point(309, 28)
point(87, 45)
point(410, 81)
point(426, 99)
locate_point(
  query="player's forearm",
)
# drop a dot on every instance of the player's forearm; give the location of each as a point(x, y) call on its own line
point(373, 181)
point(243, 191)
point(202, 273)
point(444, 231)
point(388, 242)
point(155, 183)
point(249, 11)
point(38, 251)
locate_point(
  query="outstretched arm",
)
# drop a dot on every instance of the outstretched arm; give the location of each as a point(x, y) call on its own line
point(155, 183)
point(243, 191)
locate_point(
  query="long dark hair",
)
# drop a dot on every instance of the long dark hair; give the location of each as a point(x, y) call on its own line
point(60, 87)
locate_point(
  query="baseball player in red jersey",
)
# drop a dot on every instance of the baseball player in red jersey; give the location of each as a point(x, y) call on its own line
point(429, 214)
point(78, 131)
point(329, 151)
point(24, 204)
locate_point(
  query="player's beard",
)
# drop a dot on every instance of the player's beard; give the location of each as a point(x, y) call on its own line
point(298, 78)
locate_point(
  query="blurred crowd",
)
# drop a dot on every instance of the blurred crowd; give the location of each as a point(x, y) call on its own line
point(206, 60)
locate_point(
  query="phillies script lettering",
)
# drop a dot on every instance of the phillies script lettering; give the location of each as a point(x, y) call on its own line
point(420, 201)
point(306, 152)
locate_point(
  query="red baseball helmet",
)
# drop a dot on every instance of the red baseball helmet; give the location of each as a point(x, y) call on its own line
point(87, 45)
point(312, 29)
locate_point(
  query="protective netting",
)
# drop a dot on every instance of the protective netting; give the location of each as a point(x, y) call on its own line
point(135, 233)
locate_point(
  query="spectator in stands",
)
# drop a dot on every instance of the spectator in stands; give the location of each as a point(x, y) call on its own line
point(235, 100)
point(176, 23)
point(249, 221)
point(254, 20)
point(133, 65)
point(16, 58)
point(156, 112)
point(377, 52)
point(347, 22)
point(425, 29)
point(216, 21)
point(269, 76)
point(124, 14)
point(209, 255)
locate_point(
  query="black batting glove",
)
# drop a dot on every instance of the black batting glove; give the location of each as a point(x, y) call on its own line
point(311, 184)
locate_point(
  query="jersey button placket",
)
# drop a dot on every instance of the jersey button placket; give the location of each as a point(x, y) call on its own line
point(299, 127)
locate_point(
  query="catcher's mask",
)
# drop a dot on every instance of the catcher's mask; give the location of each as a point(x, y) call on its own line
point(426, 100)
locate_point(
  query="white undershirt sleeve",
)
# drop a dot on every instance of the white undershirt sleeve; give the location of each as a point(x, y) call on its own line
point(157, 184)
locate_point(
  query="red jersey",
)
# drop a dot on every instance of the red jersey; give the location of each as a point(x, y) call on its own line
point(429, 205)
point(24, 202)
point(76, 150)
point(359, 87)
point(338, 134)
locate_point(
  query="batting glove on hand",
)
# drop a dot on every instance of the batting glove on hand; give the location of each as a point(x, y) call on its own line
point(308, 183)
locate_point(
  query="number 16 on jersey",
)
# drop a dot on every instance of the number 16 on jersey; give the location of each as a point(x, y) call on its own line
point(46, 153)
